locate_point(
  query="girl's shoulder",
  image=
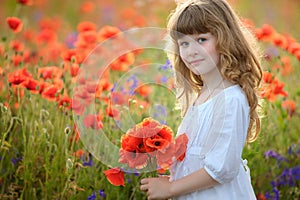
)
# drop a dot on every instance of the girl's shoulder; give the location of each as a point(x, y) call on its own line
point(235, 93)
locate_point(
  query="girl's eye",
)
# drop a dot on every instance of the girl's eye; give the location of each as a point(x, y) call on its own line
point(184, 44)
point(200, 40)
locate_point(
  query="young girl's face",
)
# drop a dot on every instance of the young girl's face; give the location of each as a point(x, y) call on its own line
point(199, 53)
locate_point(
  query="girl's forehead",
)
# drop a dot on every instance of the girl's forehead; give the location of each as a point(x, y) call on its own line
point(194, 35)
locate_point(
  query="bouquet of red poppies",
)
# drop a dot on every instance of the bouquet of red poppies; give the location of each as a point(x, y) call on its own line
point(148, 146)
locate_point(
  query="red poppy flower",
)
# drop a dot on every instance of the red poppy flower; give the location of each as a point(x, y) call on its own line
point(86, 26)
point(150, 122)
point(72, 55)
point(74, 69)
point(280, 41)
point(156, 143)
point(87, 7)
point(92, 121)
point(75, 135)
point(180, 146)
point(105, 84)
point(144, 90)
point(91, 86)
point(297, 54)
point(32, 85)
point(286, 67)
point(164, 156)
point(18, 76)
point(50, 93)
point(289, 106)
point(123, 62)
point(65, 101)
point(83, 94)
point(16, 59)
point(278, 88)
point(150, 139)
point(77, 106)
point(87, 38)
point(79, 153)
point(14, 23)
point(50, 72)
point(115, 176)
point(16, 45)
point(107, 32)
point(261, 196)
point(293, 47)
point(46, 36)
point(112, 112)
point(50, 23)
point(26, 2)
point(266, 32)
point(134, 159)
point(267, 77)
point(166, 133)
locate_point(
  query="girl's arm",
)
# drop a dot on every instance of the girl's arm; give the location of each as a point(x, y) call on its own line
point(162, 188)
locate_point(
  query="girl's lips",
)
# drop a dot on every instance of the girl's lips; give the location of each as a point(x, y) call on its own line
point(196, 61)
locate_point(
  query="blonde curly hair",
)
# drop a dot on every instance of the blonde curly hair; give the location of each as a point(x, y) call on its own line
point(239, 54)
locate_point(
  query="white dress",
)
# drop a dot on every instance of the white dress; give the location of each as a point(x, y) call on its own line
point(225, 119)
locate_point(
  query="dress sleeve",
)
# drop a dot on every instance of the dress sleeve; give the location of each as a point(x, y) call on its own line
point(222, 161)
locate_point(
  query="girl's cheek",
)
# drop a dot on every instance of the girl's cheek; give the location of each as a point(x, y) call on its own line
point(182, 54)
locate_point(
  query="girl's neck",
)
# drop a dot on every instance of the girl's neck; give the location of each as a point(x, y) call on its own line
point(213, 80)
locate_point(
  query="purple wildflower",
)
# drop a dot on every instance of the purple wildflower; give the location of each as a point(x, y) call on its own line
point(166, 66)
point(16, 160)
point(89, 162)
point(71, 39)
point(102, 193)
point(273, 154)
point(164, 79)
point(134, 83)
point(92, 196)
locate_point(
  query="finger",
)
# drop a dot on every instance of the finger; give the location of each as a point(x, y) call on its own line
point(144, 187)
point(144, 181)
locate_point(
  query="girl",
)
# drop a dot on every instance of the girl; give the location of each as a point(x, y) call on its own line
point(218, 75)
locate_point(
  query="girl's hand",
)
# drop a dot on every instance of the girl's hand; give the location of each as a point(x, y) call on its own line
point(157, 188)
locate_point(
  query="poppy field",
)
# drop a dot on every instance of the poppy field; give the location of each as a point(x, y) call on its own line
point(78, 78)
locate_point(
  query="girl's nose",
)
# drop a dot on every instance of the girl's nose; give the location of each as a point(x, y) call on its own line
point(194, 49)
point(193, 52)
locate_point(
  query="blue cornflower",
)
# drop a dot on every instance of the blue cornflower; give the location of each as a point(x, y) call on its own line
point(276, 193)
point(166, 66)
point(16, 160)
point(89, 162)
point(128, 180)
point(295, 173)
point(164, 79)
point(268, 195)
point(134, 83)
point(71, 39)
point(92, 196)
point(102, 193)
point(275, 155)
point(160, 113)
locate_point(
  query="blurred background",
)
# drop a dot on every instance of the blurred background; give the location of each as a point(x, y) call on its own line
point(41, 50)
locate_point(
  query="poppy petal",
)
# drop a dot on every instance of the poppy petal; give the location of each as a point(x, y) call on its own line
point(115, 176)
